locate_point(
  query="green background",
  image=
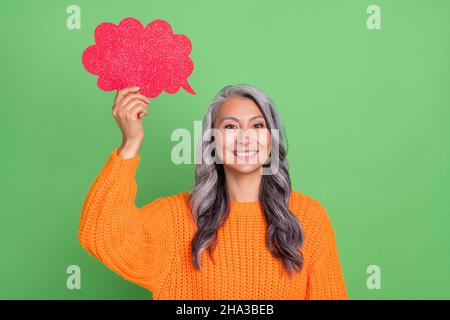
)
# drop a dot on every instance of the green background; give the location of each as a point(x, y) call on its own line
point(366, 114)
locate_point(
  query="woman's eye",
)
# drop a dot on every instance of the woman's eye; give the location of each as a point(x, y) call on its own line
point(259, 125)
point(230, 126)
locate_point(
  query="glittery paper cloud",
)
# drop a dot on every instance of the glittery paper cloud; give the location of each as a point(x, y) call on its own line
point(129, 54)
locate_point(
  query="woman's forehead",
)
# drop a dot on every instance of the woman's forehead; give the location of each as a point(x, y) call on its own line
point(239, 107)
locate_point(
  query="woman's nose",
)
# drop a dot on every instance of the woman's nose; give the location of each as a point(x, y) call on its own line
point(245, 136)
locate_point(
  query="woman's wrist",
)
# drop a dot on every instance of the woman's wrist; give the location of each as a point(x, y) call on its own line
point(129, 148)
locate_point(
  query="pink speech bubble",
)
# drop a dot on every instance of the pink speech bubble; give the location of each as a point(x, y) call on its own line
point(128, 54)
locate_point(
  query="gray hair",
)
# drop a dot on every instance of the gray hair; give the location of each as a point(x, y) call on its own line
point(210, 203)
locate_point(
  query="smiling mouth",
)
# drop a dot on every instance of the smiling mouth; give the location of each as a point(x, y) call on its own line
point(245, 154)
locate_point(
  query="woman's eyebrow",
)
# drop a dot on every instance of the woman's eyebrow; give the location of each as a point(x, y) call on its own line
point(237, 120)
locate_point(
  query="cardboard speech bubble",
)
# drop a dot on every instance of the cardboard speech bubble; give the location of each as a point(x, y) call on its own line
point(129, 54)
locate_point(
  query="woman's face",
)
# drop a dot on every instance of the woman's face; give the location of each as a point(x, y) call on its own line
point(242, 137)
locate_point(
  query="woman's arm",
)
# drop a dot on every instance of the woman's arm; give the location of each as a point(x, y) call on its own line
point(130, 241)
point(325, 276)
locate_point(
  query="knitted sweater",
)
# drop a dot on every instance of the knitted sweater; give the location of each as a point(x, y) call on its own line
point(150, 246)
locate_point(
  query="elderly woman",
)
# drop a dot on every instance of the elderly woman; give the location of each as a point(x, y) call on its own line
point(264, 240)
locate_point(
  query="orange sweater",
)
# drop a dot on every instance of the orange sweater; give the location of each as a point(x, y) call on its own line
point(150, 246)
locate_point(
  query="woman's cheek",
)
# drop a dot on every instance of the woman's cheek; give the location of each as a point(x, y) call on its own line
point(225, 145)
point(265, 145)
point(230, 141)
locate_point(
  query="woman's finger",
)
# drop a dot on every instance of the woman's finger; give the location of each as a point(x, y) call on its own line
point(132, 96)
point(123, 92)
point(132, 103)
point(137, 111)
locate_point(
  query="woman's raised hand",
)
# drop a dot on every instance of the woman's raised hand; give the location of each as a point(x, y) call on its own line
point(129, 108)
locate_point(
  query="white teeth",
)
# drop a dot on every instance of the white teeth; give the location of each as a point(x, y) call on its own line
point(245, 154)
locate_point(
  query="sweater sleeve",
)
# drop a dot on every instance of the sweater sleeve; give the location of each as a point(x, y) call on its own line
point(130, 241)
point(325, 276)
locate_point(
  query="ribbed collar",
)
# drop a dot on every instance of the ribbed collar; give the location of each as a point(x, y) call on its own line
point(240, 205)
point(253, 206)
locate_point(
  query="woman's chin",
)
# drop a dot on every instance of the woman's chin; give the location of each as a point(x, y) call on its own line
point(244, 168)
